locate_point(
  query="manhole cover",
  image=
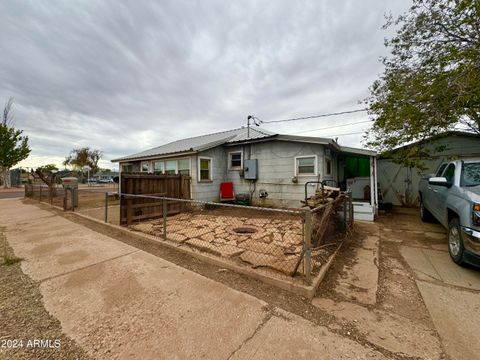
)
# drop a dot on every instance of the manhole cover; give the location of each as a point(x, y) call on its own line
point(244, 230)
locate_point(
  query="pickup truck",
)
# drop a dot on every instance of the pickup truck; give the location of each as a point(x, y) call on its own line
point(452, 196)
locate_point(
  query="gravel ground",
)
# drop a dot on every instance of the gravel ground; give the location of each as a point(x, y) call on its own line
point(24, 319)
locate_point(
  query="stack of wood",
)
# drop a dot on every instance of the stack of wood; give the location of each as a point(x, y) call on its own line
point(322, 196)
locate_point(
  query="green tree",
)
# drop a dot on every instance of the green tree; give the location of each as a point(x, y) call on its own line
point(47, 168)
point(80, 158)
point(13, 145)
point(431, 81)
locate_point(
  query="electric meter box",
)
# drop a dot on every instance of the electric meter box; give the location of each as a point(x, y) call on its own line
point(250, 169)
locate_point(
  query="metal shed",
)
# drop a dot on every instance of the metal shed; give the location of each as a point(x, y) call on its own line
point(398, 184)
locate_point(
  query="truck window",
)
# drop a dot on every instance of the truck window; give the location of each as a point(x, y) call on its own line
point(449, 173)
point(440, 170)
point(471, 174)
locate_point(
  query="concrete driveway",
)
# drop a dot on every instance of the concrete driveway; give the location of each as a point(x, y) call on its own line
point(396, 286)
point(451, 293)
point(119, 302)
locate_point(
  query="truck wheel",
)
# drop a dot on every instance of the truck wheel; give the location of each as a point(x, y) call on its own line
point(425, 215)
point(455, 242)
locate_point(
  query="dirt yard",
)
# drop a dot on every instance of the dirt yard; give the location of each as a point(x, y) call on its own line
point(25, 318)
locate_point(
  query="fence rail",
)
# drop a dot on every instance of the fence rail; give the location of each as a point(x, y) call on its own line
point(284, 243)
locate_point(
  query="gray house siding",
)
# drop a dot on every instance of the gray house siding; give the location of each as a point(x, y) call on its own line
point(399, 184)
point(209, 191)
point(276, 168)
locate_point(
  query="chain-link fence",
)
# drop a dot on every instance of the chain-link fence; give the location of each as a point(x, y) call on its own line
point(99, 202)
point(284, 243)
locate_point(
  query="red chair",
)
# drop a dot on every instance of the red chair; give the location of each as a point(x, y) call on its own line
point(226, 192)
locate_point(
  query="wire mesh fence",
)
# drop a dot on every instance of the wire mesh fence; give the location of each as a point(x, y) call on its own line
point(90, 201)
point(330, 222)
point(284, 243)
point(261, 238)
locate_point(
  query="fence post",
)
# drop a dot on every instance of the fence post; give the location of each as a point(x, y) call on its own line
point(308, 245)
point(40, 193)
point(164, 214)
point(72, 193)
point(345, 209)
point(129, 209)
point(350, 205)
point(106, 207)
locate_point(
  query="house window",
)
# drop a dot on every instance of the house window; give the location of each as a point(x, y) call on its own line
point(127, 168)
point(328, 166)
point(145, 167)
point(158, 166)
point(171, 167)
point(184, 167)
point(205, 169)
point(306, 165)
point(235, 160)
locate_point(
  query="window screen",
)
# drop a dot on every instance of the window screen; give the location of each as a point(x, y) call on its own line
point(306, 166)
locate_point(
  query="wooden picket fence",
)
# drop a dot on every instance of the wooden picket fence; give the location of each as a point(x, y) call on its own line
point(134, 209)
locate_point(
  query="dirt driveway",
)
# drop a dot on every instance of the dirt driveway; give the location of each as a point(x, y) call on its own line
point(397, 288)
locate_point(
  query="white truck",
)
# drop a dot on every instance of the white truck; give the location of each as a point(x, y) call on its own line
point(452, 196)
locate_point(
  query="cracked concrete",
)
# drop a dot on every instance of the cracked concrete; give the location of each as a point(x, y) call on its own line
point(359, 280)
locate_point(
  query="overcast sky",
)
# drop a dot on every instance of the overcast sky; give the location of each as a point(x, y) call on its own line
point(123, 76)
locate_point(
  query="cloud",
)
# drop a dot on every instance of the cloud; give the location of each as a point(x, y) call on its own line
point(122, 76)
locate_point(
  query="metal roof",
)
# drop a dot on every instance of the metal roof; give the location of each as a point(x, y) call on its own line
point(231, 137)
point(200, 143)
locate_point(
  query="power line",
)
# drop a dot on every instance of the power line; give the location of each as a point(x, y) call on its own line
point(309, 117)
point(354, 133)
point(332, 127)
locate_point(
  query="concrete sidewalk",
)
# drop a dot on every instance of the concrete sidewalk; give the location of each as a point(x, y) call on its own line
point(119, 302)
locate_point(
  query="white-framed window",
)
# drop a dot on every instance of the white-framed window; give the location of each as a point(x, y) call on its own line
point(204, 169)
point(170, 167)
point(328, 166)
point(183, 166)
point(145, 166)
point(306, 165)
point(158, 167)
point(235, 160)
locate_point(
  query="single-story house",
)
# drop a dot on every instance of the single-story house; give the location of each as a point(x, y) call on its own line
point(271, 168)
point(398, 184)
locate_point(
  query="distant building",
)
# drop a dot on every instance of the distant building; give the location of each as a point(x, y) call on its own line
point(104, 177)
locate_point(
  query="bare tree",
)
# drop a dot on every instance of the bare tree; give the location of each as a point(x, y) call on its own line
point(50, 179)
point(7, 118)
